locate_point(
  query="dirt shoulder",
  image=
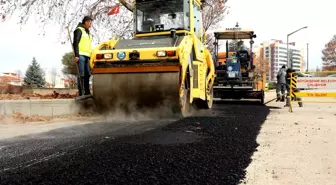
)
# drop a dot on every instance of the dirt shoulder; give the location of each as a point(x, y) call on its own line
point(25, 96)
point(296, 148)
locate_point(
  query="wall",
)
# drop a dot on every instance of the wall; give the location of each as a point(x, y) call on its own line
point(10, 89)
point(44, 91)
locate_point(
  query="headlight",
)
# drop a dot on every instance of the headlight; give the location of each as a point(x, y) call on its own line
point(108, 55)
point(161, 53)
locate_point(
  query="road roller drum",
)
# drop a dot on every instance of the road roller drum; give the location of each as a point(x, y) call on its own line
point(137, 92)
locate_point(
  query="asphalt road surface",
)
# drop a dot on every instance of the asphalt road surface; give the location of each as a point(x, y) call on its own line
point(212, 149)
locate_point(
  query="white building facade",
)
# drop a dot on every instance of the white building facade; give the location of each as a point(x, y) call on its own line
point(275, 51)
point(54, 81)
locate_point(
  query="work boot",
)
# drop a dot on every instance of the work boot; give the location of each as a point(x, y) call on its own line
point(283, 98)
point(278, 98)
point(300, 104)
point(87, 85)
point(80, 86)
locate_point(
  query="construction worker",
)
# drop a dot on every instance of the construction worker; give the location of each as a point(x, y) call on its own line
point(82, 49)
point(281, 84)
point(289, 73)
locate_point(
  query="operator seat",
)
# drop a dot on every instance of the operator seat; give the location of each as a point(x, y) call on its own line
point(146, 25)
point(243, 56)
point(220, 66)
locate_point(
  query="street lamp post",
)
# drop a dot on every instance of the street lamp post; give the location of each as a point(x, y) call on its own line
point(307, 57)
point(288, 41)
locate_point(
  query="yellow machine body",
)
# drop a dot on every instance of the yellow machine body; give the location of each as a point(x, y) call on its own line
point(158, 67)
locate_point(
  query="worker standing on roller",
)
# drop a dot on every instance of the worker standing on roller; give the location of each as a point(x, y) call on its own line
point(82, 48)
point(281, 84)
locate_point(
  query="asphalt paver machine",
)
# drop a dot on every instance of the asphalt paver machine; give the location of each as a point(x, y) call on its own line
point(235, 71)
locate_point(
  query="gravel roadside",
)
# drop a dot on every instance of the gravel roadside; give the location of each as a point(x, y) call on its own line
point(296, 148)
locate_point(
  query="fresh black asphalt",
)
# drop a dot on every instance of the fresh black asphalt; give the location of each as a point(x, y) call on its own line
point(212, 149)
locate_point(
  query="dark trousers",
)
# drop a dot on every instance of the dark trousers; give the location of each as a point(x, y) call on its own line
point(83, 80)
point(281, 91)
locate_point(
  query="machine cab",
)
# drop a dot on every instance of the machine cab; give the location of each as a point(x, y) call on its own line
point(160, 17)
point(240, 62)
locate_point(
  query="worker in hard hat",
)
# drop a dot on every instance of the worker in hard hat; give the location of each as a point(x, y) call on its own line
point(281, 84)
point(82, 48)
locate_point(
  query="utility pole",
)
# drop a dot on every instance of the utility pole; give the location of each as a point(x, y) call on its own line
point(288, 64)
point(291, 58)
point(307, 57)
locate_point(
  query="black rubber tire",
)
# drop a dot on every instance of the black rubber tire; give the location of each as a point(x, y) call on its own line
point(204, 104)
point(262, 98)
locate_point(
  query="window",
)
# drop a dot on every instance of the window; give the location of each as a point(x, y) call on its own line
point(162, 15)
point(198, 21)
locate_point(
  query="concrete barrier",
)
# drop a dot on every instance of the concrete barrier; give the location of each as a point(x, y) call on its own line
point(50, 107)
point(59, 107)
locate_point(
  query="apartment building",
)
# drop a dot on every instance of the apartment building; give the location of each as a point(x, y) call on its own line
point(275, 51)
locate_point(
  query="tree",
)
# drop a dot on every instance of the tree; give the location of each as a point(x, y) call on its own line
point(70, 13)
point(69, 66)
point(235, 45)
point(213, 13)
point(53, 76)
point(318, 69)
point(329, 55)
point(262, 65)
point(70, 69)
point(71, 81)
point(34, 76)
point(18, 73)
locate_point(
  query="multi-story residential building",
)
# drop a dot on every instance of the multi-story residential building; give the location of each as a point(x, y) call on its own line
point(275, 51)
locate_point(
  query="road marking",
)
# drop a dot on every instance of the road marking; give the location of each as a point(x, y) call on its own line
point(34, 161)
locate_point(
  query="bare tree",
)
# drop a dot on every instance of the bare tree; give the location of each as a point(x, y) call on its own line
point(53, 76)
point(71, 81)
point(19, 73)
point(70, 13)
point(213, 13)
point(329, 55)
point(262, 65)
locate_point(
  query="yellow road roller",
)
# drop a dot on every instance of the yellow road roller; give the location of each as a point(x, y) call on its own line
point(165, 65)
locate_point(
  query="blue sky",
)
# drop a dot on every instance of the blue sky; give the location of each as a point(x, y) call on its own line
point(269, 19)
